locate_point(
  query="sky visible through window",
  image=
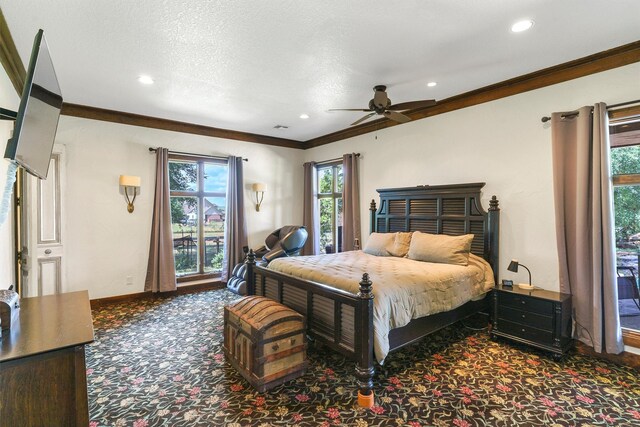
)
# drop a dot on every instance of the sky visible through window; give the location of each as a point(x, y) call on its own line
point(215, 178)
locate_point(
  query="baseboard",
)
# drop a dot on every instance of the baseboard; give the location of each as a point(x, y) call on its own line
point(185, 289)
point(624, 358)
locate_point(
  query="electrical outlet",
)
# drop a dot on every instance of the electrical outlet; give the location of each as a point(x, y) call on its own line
point(129, 281)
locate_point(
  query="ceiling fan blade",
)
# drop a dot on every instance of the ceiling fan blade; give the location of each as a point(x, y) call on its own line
point(380, 98)
point(362, 119)
point(349, 109)
point(398, 117)
point(412, 105)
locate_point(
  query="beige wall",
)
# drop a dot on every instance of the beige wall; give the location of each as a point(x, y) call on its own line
point(8, 100)
point(502, 143)
point(104, 243)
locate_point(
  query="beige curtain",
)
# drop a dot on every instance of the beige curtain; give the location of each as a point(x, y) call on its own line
point(584, 224)
point(235, 224)
point(310, 218)
point(161, 270)
point(350, 201)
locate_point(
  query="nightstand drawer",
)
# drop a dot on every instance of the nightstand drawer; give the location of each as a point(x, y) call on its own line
point(523, 302)
point(526, 332)
point(526, 318)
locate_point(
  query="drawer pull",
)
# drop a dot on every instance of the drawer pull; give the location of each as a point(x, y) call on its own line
point(523, 330)
point(524, 302)
point(523, 316)
point(293, 341)
point(275, 347)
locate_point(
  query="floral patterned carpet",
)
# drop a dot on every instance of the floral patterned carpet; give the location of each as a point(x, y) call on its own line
point(160, 363)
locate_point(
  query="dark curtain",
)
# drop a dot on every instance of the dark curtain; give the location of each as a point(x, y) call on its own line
point(310, 211)
point(584, 224)
point(350, 202)
point(161, 270)
point(235, 224)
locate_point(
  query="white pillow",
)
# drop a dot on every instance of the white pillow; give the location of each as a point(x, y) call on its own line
point(401, 244)
point(440, 248)
point(379, 244)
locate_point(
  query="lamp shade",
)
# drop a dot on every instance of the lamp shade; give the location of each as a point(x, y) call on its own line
point(513, 266)
point(257, 187)
point(129, 181)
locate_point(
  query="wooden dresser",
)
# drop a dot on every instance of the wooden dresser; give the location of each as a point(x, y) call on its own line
point(538, 317)
point(42, 362)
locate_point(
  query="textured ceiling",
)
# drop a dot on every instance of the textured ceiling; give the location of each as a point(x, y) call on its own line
point(250, 65)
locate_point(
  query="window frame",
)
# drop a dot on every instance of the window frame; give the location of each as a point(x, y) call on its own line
point(200, 194)
point(335, 194)
point(630, 337)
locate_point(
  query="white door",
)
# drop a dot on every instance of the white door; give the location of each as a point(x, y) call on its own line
point(44, 273)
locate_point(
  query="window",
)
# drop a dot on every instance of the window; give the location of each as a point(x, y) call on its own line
point(625, 168)
point(329, 179)
point(198, 189)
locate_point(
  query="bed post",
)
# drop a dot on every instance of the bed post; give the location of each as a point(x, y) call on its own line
point(494, 237)
point(372, 217)
point(364, 346)
point(250, 277)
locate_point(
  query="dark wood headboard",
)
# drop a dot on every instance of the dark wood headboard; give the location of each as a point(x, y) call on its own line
point(441, 209)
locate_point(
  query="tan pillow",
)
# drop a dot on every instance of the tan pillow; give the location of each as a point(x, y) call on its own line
point(379, 244)
point(440, 248)
point(400, 244)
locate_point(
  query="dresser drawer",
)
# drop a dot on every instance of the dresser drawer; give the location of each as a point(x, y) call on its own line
point(525, 303)
point(526, 332)
point(526, 318)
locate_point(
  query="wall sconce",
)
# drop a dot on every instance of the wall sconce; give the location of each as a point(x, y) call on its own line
point(130, 183)
point(259, 189)
point(513, 266)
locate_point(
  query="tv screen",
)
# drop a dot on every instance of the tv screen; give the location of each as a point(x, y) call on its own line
point(37, 119)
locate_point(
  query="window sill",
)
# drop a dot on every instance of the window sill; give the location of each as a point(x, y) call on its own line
point(631, 337)
point(189, 279)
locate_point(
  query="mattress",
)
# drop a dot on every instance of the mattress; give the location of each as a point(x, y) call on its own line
point(404, 289)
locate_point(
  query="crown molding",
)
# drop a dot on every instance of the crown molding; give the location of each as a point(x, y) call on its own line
point(94, 113)
point(602, 61)
point(9, 57)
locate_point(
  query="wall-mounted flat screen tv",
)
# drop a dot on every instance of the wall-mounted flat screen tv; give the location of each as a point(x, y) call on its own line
point(37, 118)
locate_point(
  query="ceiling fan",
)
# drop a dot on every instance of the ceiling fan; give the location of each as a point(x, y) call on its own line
point(381, 104)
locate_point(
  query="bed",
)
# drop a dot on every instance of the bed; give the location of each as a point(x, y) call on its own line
point(343, 319)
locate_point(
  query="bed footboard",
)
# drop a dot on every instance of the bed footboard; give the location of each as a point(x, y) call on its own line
point(340, 320)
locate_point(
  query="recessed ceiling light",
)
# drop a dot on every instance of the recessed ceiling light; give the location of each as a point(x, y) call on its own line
point(432, 84)
point(521, 26)
point(145, 80)
point(304, 116)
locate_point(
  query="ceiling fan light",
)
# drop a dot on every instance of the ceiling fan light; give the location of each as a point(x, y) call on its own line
point(521, 26)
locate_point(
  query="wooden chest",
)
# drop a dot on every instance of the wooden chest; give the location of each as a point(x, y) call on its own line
point(264, 341)
point(9, 306)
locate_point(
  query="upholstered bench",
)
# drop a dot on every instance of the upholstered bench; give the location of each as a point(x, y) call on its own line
point(265, 341)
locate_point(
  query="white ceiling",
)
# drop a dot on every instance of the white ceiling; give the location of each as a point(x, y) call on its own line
point(250, 65)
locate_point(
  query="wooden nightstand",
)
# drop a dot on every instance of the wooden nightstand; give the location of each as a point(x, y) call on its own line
point(538, 317)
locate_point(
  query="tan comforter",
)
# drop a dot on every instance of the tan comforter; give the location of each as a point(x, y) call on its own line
point(404, 289)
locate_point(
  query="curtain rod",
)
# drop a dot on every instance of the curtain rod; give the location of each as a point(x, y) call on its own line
point(563, 116)
point(333, 160)
point(153, 150)
point(575, 113)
